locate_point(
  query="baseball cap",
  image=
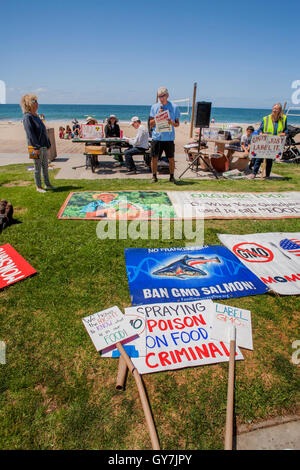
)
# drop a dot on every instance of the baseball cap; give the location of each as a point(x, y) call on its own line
point(134, 119)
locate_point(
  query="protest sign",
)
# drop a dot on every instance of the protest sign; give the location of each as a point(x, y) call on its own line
point(178, 336)
point(267, 146)
point(13, 267)
point(272, 257)
point(161, 122)
point(186, 274)
point(108, 327)
point(224, 317)
point(92, 131)
point(220, 205)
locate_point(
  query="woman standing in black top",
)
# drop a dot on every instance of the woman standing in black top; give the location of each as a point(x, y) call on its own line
point(37, 138)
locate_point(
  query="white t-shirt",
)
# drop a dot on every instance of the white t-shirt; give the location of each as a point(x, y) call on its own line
point(246, 140)
point(141, 139)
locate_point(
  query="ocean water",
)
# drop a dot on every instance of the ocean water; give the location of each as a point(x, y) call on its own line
point(66, 112)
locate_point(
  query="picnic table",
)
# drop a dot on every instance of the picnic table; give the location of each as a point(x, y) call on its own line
point(95, 147)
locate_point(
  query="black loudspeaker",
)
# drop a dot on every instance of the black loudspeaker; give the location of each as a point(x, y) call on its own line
point(202, 118)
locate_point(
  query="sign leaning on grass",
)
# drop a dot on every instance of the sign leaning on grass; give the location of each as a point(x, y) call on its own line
point(13, 267)
point(273, 257)
point(178, 336)
point(187, 274)
point(267, 146)
point(108, 327)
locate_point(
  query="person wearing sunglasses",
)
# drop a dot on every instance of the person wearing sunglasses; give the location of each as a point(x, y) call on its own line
point(37, 138)
point(163, 139)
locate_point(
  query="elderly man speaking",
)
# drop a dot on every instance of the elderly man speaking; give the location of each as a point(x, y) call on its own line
point(163, 138)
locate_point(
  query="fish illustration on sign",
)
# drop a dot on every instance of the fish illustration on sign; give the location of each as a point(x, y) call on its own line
point(184, 267)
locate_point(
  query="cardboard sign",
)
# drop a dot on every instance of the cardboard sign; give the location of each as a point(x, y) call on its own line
point(13, 267)
point(108, 327)
point(161, 122)
point(136, 348)
point(187, 274)
point(273, 257)
point(178, 336)
point(223, 317)
point(92, 131)
point(267, 146)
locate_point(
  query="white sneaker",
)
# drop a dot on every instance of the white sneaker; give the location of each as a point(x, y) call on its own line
point(40, 190)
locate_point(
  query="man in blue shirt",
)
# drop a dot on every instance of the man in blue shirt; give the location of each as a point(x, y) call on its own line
point(163, 138)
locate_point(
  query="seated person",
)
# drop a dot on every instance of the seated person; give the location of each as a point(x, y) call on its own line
point(246, 143)
point(138, 145)
point(112, 129)
point(68, 134)
point(61, 132)
point(76, 128)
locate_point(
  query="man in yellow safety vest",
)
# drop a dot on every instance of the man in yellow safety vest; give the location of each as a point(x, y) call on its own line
point(274, 124)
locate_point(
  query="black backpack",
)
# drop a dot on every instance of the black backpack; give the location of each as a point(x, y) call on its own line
point(6, 214)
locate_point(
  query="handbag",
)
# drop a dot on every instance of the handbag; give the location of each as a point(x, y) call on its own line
point(33, 153)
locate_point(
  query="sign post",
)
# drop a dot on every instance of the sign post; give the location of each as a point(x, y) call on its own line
point(230, 392)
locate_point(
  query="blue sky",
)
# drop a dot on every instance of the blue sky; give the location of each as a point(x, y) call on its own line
point(243, 54)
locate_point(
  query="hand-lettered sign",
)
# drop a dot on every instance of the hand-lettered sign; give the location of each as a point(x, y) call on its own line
point(273, 257)
point(108, 327)
point(225, 316)
point(13, 267)
point(178, 335)
point(267, 146)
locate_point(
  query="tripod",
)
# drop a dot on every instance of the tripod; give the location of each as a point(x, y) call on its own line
point(199, 155)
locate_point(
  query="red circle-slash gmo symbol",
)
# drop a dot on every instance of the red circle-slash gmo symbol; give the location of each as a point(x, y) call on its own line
point(253, 253)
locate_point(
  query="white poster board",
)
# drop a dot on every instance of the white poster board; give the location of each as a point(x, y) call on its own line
point(225, 316)
point(178, 336)
point(92, 131)
point(267, 146)
point(273, 257)
point(108, 327)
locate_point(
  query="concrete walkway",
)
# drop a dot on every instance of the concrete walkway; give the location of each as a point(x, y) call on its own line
point(107, 168)
point(278, 434)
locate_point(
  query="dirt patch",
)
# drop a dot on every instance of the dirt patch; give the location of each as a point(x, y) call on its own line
point(16, 183)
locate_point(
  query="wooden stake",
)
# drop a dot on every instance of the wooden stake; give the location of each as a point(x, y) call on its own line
point(143, 397)
point(230, 393)
point(193, 110)
point(122, 372)
point(263, 171)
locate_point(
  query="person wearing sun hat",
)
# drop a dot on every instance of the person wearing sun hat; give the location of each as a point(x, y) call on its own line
point(112, 129)
point(163, 141)
point(138, 144)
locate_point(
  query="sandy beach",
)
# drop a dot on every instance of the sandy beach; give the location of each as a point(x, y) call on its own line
point(13, 139)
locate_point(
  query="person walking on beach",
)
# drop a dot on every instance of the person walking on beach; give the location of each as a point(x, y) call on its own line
point(163, 136)
point(37, 138)
point(274, 124)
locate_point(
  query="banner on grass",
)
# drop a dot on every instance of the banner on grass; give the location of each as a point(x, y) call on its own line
point(178, 336)
point(220, 205)
point(267, 146)
point(13, 267)
point(273, 257)
point(187, 274)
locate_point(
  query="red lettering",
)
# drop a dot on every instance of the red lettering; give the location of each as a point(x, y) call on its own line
point(202, 352)
point(213, 349)
point(192, 354)
point(295, 277)
point(151, 324)
point(162, 325)
point(268, 281)
point(181, 353)
point(147, 361)
point(163, 357)
point(225, 349)
point(178, 323)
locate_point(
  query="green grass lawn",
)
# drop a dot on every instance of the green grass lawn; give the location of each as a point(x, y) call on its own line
point(55, 390)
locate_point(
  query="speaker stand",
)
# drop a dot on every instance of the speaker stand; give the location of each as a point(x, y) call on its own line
point(199, 155)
